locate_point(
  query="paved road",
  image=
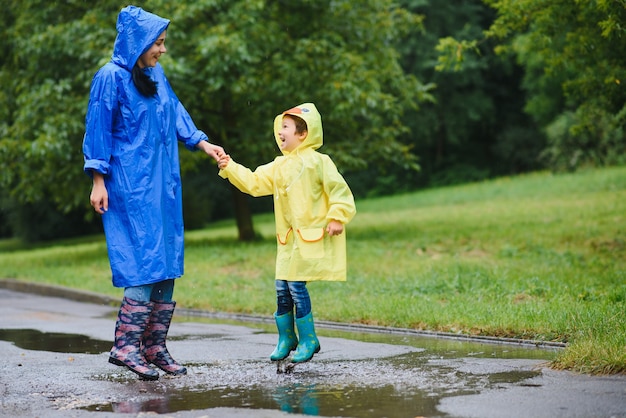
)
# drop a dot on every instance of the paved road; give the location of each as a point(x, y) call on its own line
point(229, 375)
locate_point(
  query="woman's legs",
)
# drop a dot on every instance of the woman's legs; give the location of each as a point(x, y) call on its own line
point(163, 291)
point(132, 321)
point(156, 292)
point(153, 347)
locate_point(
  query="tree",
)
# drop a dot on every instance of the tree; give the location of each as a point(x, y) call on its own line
point(50, 52)
point(574, 70)
point(475, 127)
point(239, 63)
point(235, 64)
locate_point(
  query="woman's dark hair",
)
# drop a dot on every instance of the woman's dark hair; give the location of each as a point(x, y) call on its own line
point(143, 82)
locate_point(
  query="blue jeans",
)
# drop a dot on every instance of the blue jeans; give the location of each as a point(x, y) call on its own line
point(289, 294)
point(156, 292)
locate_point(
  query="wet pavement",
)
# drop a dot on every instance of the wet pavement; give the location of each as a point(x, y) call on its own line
point(55, 351)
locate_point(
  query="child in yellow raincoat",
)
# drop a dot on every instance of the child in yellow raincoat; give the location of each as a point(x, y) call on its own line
point(312, 203)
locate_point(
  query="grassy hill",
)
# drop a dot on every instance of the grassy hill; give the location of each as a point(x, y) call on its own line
point(539, 256)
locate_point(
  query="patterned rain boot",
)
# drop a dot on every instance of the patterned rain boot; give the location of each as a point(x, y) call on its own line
point(154, 348)
point(287, 340)
point(132, 320)
point(309, 344)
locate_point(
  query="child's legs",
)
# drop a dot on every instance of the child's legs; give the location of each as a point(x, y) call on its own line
point(289, 294)
point(158, 292)
point(301, 299)
point(284, 302)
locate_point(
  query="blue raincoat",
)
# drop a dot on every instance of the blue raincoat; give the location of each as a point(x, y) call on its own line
point(132, 140)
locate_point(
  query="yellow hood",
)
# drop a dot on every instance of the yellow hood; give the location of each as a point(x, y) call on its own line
point(313, 119)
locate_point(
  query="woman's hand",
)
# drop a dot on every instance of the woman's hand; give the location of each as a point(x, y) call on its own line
point(99, 197)
point(212, 150)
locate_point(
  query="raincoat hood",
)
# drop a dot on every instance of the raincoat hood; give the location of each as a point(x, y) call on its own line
point(137, 31)
point(313, 119)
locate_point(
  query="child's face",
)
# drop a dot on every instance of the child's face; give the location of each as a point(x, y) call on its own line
point(290, 139)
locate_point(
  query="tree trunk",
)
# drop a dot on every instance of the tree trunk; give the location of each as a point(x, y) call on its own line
point(243, 215)
point(440, 144)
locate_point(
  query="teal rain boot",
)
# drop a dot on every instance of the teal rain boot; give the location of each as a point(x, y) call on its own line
point(287, 340)
point(309, 344)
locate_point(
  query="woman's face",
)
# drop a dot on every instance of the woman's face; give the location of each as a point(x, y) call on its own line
point(152, 55)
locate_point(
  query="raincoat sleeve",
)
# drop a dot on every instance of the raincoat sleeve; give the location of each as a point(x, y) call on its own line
point(98, 139)
point(341, 205)
point(186, 130)
point(257, 183)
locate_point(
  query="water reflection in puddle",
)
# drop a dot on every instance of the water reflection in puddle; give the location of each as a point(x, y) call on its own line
point(293, 398)
point(55, 342)
point(403, 386)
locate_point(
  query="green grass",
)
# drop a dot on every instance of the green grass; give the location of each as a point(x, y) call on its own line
point(538, 256)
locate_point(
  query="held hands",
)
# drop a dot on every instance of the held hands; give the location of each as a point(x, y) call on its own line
point(212, 150)
point(223, 161)
point(216, 152)
point(334, 228)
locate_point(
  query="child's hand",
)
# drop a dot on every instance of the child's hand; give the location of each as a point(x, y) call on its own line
point(223, 161)
point(334, 228)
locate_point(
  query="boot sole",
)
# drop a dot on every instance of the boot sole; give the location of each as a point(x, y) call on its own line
point(154, 362)
point(288, 354)
point(143, 376)
point(181, 372)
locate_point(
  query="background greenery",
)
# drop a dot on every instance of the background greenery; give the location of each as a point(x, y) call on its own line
point(464, 91)
point(537, 256)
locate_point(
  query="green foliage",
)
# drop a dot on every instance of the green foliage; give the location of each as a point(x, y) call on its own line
point(400, 85)
point(572, 53)
point(239, 63)
point(52, 51)
point(589, 136)
point(234, 64)
point(475, 128)
point(453, 53)
point(537, 256)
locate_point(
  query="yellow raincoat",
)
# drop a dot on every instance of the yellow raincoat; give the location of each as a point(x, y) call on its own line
point(308, 193)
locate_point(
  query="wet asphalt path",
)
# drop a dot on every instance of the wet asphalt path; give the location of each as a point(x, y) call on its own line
point(230, 375)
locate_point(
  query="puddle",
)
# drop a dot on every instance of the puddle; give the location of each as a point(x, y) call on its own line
point(31, 339)
point(403, 386)
point(406, 385)
point(296, 398)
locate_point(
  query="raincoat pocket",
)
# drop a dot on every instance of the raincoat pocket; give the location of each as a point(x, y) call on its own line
point(283, 238)
point(311, 242)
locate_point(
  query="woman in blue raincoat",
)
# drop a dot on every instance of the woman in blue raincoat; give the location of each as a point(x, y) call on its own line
point(133, 125)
